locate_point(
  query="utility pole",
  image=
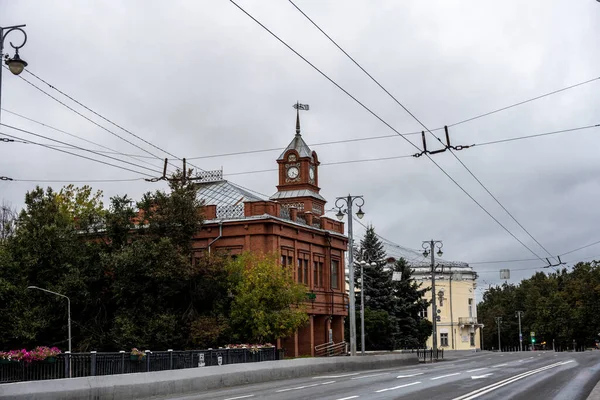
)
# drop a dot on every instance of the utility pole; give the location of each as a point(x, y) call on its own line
point(519, 313)
point(498, 322)
point(429, 247)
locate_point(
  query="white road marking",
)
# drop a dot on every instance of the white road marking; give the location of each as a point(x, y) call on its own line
point(489, 358)
point(567, 362)
point(397, 387)
point(481, 376)
point(327, 383)
point(368, 376)
point(239, 397)
point(477, 369)
point(408, 376)
point(445, 376)
point(500, 365)
point(480, 392)
point(297, 388)
point(348, 398)
point(335, 376)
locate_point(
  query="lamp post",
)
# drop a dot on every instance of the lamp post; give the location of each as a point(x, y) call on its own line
point(498, 322)
point(519, 313)
point(68, 307)
point(348, 202)
point(15, 64)
point(363, 263)
point(428, 248)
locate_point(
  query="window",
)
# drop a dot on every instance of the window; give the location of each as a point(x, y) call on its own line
point(444, 339)
point(318, 272)
point(303, 272)
point(335, 266)
point(287, 257)
point(473, 339)
point(423, 314)
point(470, 308)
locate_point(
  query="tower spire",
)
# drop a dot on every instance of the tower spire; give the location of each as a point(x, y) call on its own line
point(299, 107)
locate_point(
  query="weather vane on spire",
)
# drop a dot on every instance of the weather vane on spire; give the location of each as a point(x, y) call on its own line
point(299, 107)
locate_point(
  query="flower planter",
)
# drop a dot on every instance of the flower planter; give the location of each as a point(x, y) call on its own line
point(5, 361)
point(133, 357)
point(50, 360)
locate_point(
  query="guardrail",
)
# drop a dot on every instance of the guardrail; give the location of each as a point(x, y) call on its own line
point(331, 349)
point(90, 364)
point(425, 354)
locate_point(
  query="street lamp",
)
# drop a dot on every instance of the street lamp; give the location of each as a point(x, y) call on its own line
point(348, 202)
point(15, 64)
point(429, 247)
point(68, 308)
point(366, 254)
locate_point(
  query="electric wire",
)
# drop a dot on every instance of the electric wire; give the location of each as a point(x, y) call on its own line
point(425, 127)
point(111, 151)
point(78, 148)
point(87, 118)
point(77, 181)
point(79, 155)
point(581, 248)
point(100, 115)
point(388, 125)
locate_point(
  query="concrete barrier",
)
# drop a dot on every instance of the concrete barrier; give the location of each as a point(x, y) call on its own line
point(163, 383)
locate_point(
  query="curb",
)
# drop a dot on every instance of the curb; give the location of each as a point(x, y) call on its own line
point(595, 393)
point(177, 382)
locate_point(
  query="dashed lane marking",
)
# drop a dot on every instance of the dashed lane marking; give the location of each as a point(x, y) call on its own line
point(335, 376)
point(500, 365)
point(477, 369)
point(348, 398)
point(239, 397)
point(327, 383)
point(368, 376)
point(445, 376)
point(397, 387)
point(297, 388)
point(409, 376)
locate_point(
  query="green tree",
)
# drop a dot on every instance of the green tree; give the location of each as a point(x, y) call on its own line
point(267, 303)
point(409, 304)
point(378, 290)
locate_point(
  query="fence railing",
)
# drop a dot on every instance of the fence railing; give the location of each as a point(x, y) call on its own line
point(92, 364)
point(429, 354)
point(331, 349)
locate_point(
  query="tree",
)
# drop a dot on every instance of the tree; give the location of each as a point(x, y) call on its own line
point(8, 219)
point(409, 304)
point(267, 303)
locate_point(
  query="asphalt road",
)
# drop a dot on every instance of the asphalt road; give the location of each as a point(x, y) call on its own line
point(522, 376)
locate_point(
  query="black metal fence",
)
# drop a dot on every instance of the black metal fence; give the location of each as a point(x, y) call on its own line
point(429, 354)
point(91, 364)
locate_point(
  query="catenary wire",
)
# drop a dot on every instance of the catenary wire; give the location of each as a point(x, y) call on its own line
point(77, 181)
point(78, 148)
point(426, 128)
point(100, 115)
point(87, 118)
point(581, 248)
point(388, 125)
point(81, 156)
point(111, 151)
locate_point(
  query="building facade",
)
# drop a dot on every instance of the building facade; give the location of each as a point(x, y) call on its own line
point(291, 223)
point(457, 325)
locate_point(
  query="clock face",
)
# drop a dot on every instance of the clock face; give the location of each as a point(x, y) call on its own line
point(311, 173)
point(293, 172)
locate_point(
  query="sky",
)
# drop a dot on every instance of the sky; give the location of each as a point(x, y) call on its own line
point(201, 78)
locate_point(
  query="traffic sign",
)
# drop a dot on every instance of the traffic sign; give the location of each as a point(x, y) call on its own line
point(532, 334)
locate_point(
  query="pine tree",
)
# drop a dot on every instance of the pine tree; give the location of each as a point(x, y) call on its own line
point(410, 302)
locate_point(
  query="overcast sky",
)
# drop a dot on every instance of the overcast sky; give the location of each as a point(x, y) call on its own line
point(200, 78)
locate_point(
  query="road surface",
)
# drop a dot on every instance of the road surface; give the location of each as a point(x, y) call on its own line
point(519, 376)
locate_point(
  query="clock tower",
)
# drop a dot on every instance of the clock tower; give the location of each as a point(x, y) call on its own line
point(299, 176)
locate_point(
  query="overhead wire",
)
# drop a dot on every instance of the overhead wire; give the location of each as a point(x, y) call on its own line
point(77, 147)
point(81, 156)
point(101, 116)
point(581, 248)
point(387, 124)
point(426, 128)
point(87, 118)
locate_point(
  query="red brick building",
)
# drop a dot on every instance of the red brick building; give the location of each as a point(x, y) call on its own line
point(290, 222)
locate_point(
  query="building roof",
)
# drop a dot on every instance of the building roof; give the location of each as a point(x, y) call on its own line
point(300, 146)
point(286, 194)
point(224, 193)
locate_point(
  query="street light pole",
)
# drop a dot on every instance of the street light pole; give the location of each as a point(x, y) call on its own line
point(429, 247)
point(520, 334)
point(362, 263)
point(15, 64)
point(340, 202)
point(498, 322)
point(68, 308)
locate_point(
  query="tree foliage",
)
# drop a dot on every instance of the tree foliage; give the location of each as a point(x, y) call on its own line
point(562, 307)
point(267, 303)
